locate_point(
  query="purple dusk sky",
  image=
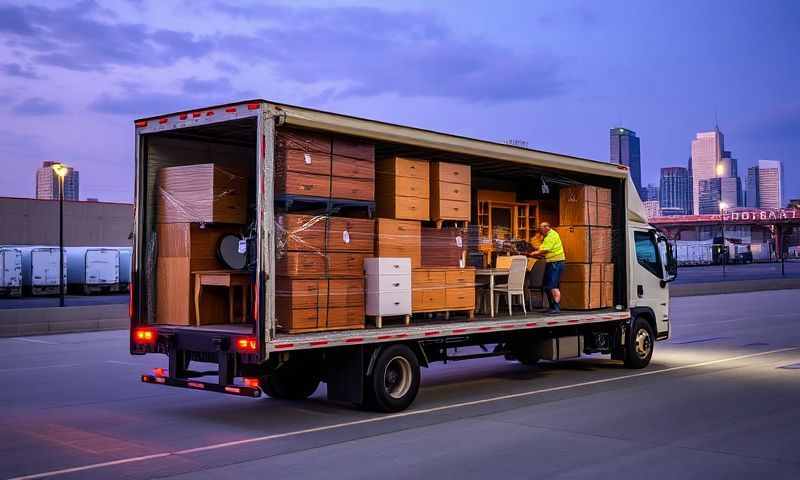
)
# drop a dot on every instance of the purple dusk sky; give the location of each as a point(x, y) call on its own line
point(74, 75)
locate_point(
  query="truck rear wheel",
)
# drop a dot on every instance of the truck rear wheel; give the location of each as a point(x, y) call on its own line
point(394, 382)
point(290, 383)
point(639, 348)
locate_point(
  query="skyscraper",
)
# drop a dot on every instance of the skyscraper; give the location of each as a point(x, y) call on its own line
point(770, 184)
point(752, 200)
point(707, 148)
point(625, 151)
point(47, 183)
point(727, 166)
point(709, 195)
point(675, 195)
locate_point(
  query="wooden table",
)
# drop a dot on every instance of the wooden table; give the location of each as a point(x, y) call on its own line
point(491, 273)
point(222, 278)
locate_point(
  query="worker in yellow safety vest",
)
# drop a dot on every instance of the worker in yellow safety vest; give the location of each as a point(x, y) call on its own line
point(552, 251)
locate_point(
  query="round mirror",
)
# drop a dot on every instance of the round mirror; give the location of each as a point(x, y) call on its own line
point(230, 254)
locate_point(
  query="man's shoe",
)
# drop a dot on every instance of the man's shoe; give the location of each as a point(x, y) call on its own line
point(553, 311)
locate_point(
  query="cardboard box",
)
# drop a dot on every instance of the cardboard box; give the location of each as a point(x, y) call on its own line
point(583, 244)
point(586, 286)
point(580, 295)
point(203, 193)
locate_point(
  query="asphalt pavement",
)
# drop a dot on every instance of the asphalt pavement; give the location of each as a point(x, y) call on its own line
point(749, 271)
point(721, 399)
point(69, 300)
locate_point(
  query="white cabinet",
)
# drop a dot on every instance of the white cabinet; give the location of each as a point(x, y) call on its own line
point(388, 288)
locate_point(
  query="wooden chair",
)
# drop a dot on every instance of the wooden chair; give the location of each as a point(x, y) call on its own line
point(515, 285)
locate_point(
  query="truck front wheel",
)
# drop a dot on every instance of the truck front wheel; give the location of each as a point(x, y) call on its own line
point(394, 382)
point(639, 348)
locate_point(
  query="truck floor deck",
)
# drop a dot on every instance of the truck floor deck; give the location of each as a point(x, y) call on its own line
point(433, 329)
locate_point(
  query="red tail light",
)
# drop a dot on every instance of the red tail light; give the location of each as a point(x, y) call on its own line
point(159, 372)
point(251, 382)
point(145, 335)
point(247, 344)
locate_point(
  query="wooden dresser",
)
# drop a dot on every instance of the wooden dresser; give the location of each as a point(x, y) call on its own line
point(399, 238)
point(403, 186)
point(443, 289)
point(353, 169)
point(388, 288)
point(450, 191)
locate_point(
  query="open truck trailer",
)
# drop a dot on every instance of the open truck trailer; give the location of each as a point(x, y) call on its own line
point(363, 360)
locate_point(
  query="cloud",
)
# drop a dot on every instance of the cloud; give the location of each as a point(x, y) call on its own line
point(17, 70)
point(37, 106)
point(340, 51)
point(86, 43)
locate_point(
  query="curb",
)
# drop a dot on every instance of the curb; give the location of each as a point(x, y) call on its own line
point(733, 286)
point(49, 320)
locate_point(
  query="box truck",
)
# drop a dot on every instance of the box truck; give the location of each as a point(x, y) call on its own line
point(93, 269)
point(11, 272)
point(254, 220)
point(40, 269)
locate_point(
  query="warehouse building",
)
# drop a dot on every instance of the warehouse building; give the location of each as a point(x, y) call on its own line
point(28, 221)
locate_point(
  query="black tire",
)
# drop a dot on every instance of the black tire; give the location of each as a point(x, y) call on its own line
point(525, 352)
point(639, 347)
point(290, 383)
point(394, 382)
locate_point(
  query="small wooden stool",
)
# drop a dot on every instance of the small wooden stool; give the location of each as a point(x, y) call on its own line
point(222, 278)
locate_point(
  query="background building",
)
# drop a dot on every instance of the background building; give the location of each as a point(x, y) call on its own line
point(751, 195)
point(707, 148)
point(709, 196)
point(728, 166)
point(770, 184)
point(28, 221)
point(625, 151)
point(650, 192)
point(675, 196)
point(652, 208)
point(47, 183)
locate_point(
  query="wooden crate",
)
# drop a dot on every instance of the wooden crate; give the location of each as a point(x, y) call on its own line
point(293, 160)
point(352, 168)
point(584, 244)
point(585, 205)
point(303, 140)
point(182, 249)
point(353, 188)
point(203, 193)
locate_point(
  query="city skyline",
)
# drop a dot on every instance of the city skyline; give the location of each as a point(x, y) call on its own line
point(476, 71)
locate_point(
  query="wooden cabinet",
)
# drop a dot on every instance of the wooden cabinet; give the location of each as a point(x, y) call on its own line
point(442, 289)
point(400, 238)
point(450, 191)
point(388, 288)
point(403, 190)
point(182, 249)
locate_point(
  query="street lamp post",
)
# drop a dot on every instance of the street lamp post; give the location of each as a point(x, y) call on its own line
point(722, 207)
point(61, 171)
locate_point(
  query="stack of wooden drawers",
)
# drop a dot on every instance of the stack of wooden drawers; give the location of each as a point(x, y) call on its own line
point(400, 238)
point(321, 272)
point(448, 289)
point(317, 165)
point(388, 288)
point(353, 171)
point(450, 192)
point(403, 186)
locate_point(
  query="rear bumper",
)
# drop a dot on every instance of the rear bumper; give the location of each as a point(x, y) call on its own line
point(238, 390)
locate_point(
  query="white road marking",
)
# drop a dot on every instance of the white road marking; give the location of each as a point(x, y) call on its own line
point(32, 340)
point(390, 417)
point(119, 362)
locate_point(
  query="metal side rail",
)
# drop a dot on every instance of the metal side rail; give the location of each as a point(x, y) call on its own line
point(240, 390)
point(305, 341)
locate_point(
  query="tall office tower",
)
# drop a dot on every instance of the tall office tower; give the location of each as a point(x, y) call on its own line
point(707, 148)
point(47, 183)
point(650, 192)
point(625, 151)
point(752, 199)
point(675, 195)
point(731, 191)
point(709, 195)
point(728, 166)
point(770, 184)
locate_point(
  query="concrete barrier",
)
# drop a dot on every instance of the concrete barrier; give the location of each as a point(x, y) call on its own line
point(733, 286)
point(38, 321)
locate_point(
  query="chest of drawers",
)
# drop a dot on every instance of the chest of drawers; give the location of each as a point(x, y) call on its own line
point(399, 238)
point(443, 289)
point(388, 283)
point(450, 191)
point(403, 188)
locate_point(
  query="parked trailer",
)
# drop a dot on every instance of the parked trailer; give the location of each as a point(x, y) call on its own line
point(378, 368)
point(93, 269)
point(124, 268)
point(11, 272)
point(40, 270)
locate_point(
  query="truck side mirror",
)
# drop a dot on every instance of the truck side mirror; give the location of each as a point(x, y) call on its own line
point(668, 257)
